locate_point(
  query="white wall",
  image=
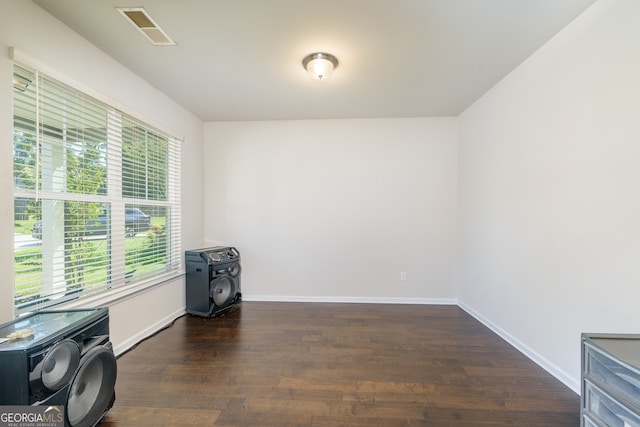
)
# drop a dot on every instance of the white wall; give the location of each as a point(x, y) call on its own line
point(550, 192)
point(40, 36)
point(336, 209)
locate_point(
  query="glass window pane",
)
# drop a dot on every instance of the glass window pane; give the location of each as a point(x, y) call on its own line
point(146, 251)
point(27, 251)
point(144, 163)
point(86, 245)
point(95, 192)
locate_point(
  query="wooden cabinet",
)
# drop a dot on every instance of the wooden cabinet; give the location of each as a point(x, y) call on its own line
point(610, 380)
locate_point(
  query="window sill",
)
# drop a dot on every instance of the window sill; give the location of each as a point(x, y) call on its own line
point(113, 296)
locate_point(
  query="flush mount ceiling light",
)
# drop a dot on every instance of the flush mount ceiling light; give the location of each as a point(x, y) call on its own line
point(320, 65)
point(140, 19)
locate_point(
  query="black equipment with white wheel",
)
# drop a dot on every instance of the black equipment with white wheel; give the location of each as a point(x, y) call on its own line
point(60, 358)
point(212, 280)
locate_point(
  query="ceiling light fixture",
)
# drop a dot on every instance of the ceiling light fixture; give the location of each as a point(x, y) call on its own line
point(320, 64)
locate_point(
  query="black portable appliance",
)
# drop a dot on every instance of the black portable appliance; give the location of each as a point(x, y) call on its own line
point(212, 280)
point(59, 358)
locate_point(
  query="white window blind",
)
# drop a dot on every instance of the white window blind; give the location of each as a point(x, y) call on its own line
point(96, 195)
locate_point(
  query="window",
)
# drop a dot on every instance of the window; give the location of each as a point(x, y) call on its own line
point(96, 195)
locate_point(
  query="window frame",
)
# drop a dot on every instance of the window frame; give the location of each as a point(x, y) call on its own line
point(118, 288)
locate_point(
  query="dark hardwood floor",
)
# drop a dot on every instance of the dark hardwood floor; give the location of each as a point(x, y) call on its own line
point(323, 364)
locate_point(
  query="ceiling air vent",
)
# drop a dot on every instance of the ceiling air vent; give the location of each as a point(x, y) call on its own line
point(146, 25)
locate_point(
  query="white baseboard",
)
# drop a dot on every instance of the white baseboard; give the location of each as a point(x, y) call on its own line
point(558, 373)
point(359, 300)
point(145, 333)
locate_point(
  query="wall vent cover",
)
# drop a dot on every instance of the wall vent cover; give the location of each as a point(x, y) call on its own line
point(139, 18)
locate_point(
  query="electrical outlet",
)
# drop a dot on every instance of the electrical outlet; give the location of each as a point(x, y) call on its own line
point(403, 275)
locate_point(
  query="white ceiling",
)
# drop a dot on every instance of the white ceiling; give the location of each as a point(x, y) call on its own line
point(241, 59)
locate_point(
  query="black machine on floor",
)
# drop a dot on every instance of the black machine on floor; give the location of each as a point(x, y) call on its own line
point(59, 358)
point(213, 280)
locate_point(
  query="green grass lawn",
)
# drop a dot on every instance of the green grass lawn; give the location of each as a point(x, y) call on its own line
point(23, 227)
point(144, 254)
